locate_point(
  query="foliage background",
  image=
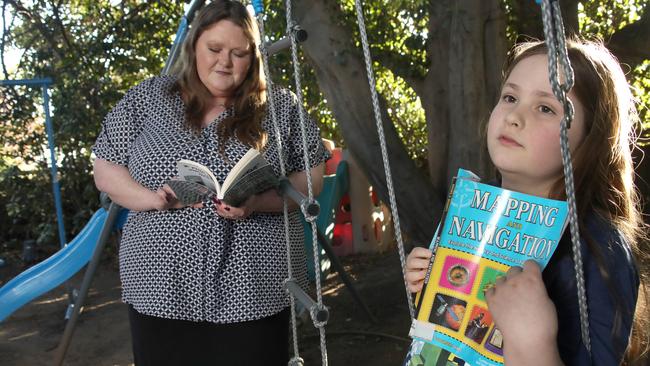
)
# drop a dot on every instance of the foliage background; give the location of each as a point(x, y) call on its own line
point(96, 50)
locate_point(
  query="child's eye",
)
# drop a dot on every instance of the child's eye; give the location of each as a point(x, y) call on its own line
point(509, 98)
point(546, 109)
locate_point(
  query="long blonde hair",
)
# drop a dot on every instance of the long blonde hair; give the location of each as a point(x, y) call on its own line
point(603, 165)
point(250, 97)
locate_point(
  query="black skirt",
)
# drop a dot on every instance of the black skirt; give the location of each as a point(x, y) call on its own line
point(161, 342)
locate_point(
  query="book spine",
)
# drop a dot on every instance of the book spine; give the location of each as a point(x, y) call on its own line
point(434, 248)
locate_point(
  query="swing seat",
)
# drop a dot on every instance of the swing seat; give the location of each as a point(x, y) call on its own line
point(335, 186)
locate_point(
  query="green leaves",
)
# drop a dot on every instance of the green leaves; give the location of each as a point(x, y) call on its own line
point(94, 51)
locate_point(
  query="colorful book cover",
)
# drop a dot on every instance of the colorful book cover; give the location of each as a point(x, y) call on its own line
point(485, 230)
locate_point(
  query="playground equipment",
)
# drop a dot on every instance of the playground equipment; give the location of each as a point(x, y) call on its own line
point(56, 269)
point(88, 245)
point(555, 37)
point(45, 83)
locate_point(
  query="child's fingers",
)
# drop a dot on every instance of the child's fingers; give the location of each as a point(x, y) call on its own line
point(513, 271)
point(530, 266)
point(415, 280)
point(419, 252)
point(415, 276)
point(417, 264)
point(415, 287)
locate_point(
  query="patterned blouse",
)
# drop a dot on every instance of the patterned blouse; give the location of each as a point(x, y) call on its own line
point(192, 264)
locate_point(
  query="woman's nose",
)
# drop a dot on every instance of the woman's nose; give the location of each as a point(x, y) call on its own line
point(225, 59)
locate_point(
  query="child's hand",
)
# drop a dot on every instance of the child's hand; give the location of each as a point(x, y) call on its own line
point(417, 264)
point(525, 315)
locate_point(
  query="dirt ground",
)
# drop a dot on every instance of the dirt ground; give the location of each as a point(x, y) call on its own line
point(30, 335)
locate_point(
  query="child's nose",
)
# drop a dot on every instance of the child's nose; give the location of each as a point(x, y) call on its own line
point(515, 119)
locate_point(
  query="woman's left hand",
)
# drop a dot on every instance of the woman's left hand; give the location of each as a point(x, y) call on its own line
point(235, 213)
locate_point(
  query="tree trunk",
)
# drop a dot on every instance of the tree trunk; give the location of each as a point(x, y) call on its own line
point(469, 71)
point(341, 75)
point(467, 50)
point(528, 18)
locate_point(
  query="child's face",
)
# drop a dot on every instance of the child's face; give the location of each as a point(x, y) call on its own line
point(524, 129)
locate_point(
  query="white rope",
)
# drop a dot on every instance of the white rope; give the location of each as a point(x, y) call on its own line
point(285, 211)
point(384, 153)
point(296, 360)
point(312, 223)
point(557, 52)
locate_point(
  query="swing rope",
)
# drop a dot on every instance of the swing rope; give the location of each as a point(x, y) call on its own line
point(557, 52)
point(311, 219)
point(384, 153)
point(285, 211)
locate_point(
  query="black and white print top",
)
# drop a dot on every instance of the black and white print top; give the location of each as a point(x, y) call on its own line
point(192, 264)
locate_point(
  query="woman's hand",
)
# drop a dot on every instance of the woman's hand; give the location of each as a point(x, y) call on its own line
point(235, 213)
point(526, 316)
point(165, 199)
point(417, 264)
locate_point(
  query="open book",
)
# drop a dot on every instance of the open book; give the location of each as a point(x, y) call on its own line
point(251, 175)
point(484, 231)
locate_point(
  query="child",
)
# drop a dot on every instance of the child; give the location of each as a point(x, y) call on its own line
point(538, 313)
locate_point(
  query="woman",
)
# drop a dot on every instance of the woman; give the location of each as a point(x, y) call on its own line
point(204, 284)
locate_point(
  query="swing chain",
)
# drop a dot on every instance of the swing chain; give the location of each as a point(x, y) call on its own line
point(557, 50)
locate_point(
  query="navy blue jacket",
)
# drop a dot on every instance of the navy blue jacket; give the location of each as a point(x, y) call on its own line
point(611, 302)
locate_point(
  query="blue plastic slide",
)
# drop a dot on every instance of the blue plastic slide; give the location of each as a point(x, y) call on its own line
point(56, 269)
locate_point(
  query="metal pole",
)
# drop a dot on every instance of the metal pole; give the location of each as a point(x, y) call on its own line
point(45, 83)
point(26, 82)
point(317, 314)
point(53, 170)
point(285, 42)
point(61, 350)
point(181, 33)
point(299, 198)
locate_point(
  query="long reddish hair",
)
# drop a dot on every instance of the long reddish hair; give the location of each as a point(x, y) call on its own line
point(249, 99)
point(602, 164)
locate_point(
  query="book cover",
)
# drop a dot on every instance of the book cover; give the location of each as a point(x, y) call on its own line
point(251, 175)
point(484, 231)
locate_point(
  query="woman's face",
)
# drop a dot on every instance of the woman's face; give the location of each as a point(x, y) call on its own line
point(223, 57)
point(524, 129)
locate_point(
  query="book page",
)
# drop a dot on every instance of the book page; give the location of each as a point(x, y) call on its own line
point(485, 231)
point(194, 172)
point(188, 192)
point(252, 160)
point(255, 180)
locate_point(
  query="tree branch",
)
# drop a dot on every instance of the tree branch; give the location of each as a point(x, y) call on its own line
point(49, 37)
point(631, 44)
point(57, 16)
point(397, 63)
point(528, 17)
